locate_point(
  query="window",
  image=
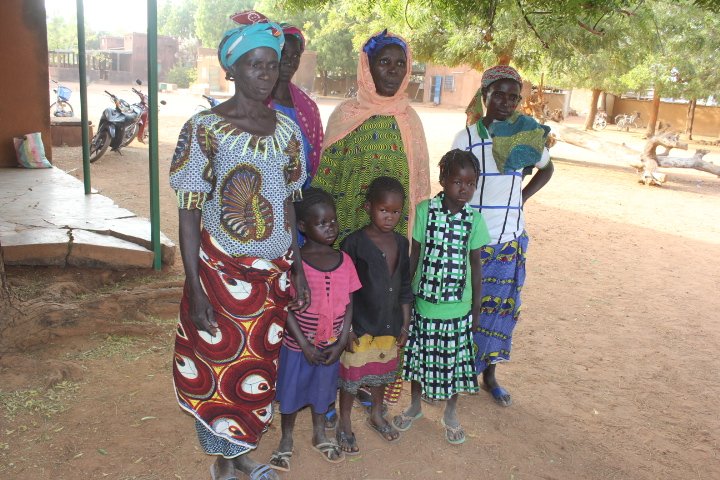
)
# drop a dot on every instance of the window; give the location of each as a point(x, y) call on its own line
point(449, 83)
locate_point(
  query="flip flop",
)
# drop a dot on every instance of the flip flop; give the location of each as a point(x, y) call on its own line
point(454, 431)
point(280, 461)
point(326, 448)
point(331, 419)
point(500, 395)
point(261, 472)
point(384, 430)
point(402, 419)
point(348, 440)
point(214, 474)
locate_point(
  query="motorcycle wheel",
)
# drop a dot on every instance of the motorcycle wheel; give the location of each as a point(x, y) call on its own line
point(99, 145)
point(129, 135)
point(61, 109)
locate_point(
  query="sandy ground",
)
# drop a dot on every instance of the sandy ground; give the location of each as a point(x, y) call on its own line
point(614, 372)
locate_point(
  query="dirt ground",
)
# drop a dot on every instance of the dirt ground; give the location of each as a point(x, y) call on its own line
point(614, 372)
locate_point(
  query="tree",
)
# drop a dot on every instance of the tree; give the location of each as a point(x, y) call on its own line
point(212, 19)
point(178, 19)
point(62, 34)
point(329, 30)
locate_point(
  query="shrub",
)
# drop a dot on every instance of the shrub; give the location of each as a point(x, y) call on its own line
point(182, 76)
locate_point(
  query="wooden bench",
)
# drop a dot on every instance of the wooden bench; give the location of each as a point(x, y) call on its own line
point(67, 132)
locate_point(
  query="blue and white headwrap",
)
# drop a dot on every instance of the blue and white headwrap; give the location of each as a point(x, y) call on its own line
point(238, 41)
point(381, 40)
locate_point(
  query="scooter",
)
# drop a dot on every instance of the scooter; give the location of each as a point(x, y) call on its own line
point(119, 126)
point(114, 122)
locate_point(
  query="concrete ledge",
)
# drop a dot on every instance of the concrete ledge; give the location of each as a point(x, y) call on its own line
point(89, 249)
point(36, 247)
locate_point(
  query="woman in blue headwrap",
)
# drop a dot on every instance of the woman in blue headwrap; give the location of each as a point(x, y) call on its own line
point(236, 170)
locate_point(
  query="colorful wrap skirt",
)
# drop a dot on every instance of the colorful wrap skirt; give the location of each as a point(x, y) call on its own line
point(373, 363)
point(439, 356)
point(503, 268)
point(227, 381)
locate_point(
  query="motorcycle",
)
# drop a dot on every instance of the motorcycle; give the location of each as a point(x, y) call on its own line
point(211, 100)
point(61, 106)
point(139, 128)
point(120, 125)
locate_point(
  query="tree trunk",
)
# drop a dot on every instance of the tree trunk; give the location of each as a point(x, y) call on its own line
point(690, 118)
point(593, 109)
point(650, 132)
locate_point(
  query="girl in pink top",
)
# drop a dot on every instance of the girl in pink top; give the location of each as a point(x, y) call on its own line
point(314, 339)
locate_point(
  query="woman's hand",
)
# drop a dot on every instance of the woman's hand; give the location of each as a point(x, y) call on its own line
point(202, 313)
point(351, 342)
point(301, 301)
point(333, 352)
point(312, 354)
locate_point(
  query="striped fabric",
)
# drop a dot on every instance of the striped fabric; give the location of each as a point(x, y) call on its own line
point(372, 364)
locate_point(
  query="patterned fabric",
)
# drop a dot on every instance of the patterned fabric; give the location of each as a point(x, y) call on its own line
point(443, 271)
point(330, 297)
point(214, 445)
point(374, 363)
point(503, 279)
point(498, 196)
point(478, 237)
point(352, 113)
point(439, 355)
point(295, 32)
point(518, 142)
point(382, 40)
point(247, 180)
point(227, 381)
point(308, 119)
point(346, 169)
point(255, 31)
point(499, 72)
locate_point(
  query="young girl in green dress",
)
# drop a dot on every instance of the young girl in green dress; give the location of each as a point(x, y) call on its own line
point(445, 262)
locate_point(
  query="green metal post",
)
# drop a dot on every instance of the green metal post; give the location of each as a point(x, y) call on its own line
point(83, 96)
point(153, 119)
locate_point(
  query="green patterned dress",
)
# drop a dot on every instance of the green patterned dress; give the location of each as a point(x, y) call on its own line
point(348, 166)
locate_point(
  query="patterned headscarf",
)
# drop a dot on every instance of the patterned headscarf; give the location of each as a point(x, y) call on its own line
point(474, 110)
point(295, 32)
point(255, 31)
point(381, 40)
point(519, 140)
point(499, 72)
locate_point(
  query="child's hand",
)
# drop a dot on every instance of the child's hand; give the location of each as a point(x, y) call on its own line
point(475, 323)
point(403, 338)
point(313, 355)
point(351, 342)
point(333, 352)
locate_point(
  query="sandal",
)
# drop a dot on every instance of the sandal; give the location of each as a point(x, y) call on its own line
point(262, 472)
point(331, 419)
point(384, 431)
point(330, 449)
point(280, 461)
point(347, 443)
point(454, 435)
point(403, 422)
point(500, 395)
